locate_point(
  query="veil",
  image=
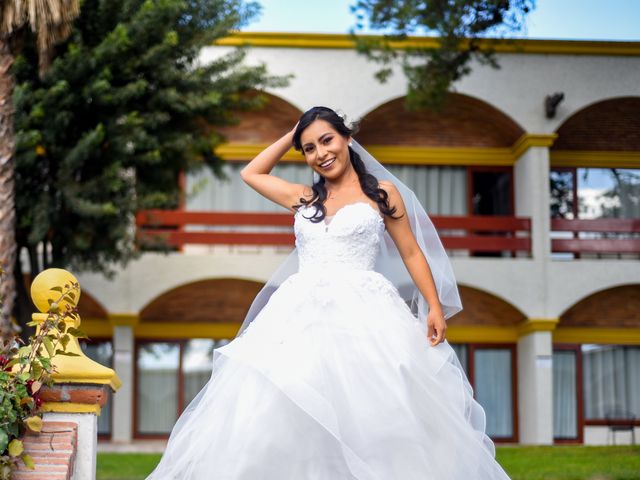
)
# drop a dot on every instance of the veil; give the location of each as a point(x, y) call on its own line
point(388, 262)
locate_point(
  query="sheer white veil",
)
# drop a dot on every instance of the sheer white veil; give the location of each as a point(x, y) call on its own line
point(389, 262)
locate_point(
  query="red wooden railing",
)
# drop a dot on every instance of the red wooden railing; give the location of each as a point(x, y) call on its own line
point(476, 233)
point(602, 235)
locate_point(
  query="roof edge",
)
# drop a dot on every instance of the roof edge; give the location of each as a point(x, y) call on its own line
point(345, 41)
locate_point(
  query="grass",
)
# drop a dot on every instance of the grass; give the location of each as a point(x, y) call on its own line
point(571, 462)
point(521, 463)
point(125, 466)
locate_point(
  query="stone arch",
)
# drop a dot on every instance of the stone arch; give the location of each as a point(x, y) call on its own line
point(610, 125)
point(89, 307)
point(484, 308)
point(220, 300)
point(615, 307)
point(465, 121)
point(265, 125)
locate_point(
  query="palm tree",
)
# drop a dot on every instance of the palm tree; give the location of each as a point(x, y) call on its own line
point(50, 21)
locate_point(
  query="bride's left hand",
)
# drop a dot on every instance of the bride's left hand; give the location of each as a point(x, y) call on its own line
point(436, 326)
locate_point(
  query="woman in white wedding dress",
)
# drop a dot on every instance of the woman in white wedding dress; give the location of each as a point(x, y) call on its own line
point(335, 378)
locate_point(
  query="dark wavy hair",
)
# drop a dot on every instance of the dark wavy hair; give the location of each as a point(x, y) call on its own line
point(368, 182)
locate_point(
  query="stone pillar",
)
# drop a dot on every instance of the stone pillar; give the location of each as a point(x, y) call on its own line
point(123, 355)
point(535, 381)
point(80, 389)
point(531, 184)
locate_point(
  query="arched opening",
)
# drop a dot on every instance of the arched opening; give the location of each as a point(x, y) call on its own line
point(220, 300)
point(607, 125)
point(464, 122)
point(486, 309)
point(594, 175)
point(265, 125)
point(171, 370)
point(596, 364)
point(615, 307)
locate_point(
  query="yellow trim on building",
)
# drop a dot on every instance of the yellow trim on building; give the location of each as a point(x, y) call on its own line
point(597, 159)
point(97, 327)
point(401, 155)
point(346, 41)
point(68, 407)
point(169, 330)
point(529, 140)
point(130, 319)
point(532, 325)
point(247, 151)
point(408, 155)
point(618, 336)
point(481, 333)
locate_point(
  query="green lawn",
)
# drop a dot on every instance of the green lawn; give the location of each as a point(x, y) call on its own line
point(521, 463)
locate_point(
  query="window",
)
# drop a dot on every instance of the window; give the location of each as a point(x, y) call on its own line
point(490, 372)
point(595, 193)
point(493, 389)
point(169, 375)
point(101, 352)
point(565, 394)
point(611, 375)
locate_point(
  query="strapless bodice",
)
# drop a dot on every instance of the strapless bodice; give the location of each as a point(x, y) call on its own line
point(350, 241)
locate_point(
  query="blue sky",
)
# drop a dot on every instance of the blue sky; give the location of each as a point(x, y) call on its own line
point(559, 19)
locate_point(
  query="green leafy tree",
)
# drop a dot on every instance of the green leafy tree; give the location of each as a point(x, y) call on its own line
point(459, 25)
point(50, 22)
point(126, 106)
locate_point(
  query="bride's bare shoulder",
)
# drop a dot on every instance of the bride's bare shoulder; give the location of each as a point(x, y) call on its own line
point(393, 194)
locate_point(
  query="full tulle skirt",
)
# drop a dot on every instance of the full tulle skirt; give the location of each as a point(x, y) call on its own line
point(334, 379)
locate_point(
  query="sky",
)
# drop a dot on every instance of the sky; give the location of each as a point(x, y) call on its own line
point(551, 19)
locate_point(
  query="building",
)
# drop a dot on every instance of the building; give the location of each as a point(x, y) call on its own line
point(541, 218)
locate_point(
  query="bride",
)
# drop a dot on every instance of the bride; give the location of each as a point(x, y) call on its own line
point(341, 369)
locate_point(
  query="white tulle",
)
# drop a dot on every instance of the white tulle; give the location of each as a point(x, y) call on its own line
point(334, 379)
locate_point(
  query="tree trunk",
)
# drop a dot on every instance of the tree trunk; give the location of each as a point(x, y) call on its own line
point(8, 249)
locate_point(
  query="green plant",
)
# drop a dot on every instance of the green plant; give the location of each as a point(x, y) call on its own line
point(24, 369)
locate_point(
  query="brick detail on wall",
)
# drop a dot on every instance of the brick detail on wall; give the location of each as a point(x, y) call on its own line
point(617, 307)
point(482, 308)
point(464, 122)
point(53, 450)
point(267, 125)
point(208, 301)
point(608, 125)
point(75, 393)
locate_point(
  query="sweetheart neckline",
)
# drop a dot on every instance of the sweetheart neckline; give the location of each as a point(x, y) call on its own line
point(342, 208)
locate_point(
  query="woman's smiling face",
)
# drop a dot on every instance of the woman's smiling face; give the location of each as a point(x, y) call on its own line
point(325, 150)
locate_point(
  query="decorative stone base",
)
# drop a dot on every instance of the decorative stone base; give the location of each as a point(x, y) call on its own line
point(53, 451)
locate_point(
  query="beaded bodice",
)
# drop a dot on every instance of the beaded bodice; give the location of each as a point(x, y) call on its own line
point(351, 239)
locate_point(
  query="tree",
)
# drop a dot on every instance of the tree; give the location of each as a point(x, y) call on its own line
point(459, 25)
point(124, 109)
point(50, 21)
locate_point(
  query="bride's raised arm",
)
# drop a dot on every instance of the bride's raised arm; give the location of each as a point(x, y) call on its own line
point(257, 174)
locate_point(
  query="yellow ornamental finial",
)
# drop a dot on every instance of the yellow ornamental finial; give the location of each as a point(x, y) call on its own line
point(49, 285)
point(47, 294)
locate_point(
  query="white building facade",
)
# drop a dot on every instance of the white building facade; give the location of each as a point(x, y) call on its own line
point(540, 216)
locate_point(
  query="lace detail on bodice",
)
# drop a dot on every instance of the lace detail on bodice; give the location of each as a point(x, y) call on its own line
point(351, 239)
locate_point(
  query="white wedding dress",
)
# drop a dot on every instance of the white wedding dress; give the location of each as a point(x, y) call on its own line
point(334, 379)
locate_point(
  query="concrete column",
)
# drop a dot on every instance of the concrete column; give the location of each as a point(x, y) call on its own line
point(531, 183)
point(535, 382)
point(123, 345)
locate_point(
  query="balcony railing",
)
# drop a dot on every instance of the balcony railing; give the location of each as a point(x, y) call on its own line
point(177, 228)
point(602, 236)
